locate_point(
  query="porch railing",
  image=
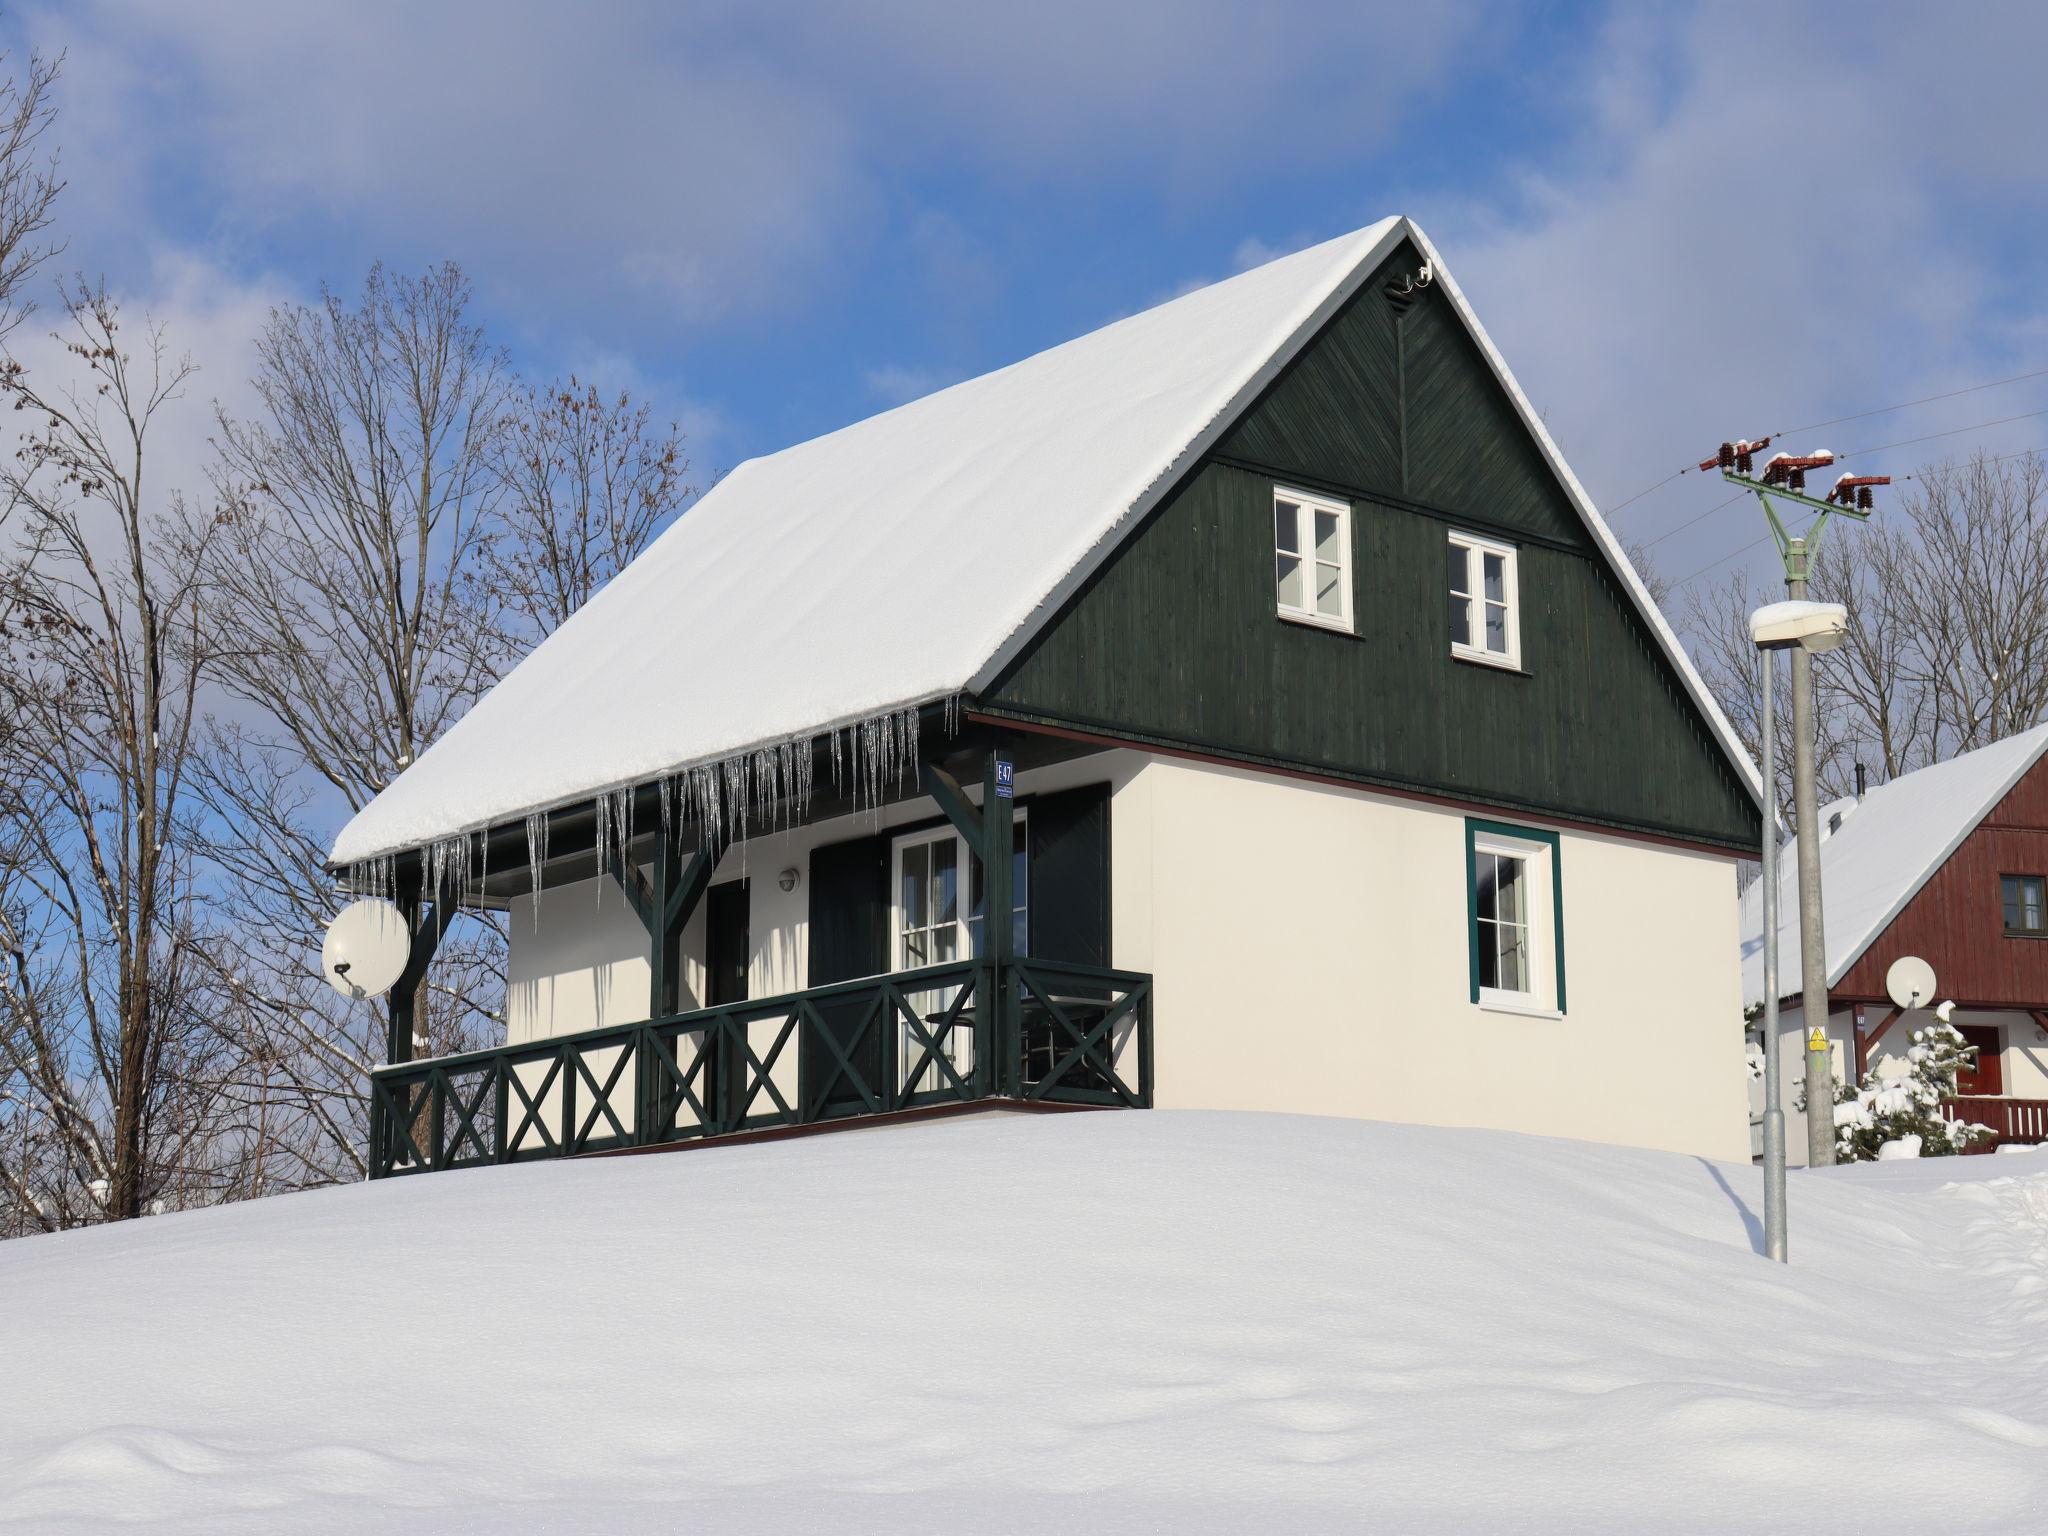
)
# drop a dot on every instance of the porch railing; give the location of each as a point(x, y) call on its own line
point(1032, 1030)
point(2015, 1121)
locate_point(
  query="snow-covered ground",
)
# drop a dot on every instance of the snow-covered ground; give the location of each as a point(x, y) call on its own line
point(1119, 1322)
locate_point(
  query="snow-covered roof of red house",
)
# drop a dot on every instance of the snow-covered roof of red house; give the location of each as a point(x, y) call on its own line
point(898, 561)
point(1889, 845)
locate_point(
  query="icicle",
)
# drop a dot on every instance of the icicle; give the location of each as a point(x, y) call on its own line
point(536, 856)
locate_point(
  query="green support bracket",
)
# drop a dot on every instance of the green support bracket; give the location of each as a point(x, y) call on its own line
point(953, 802)
point(679, 884)
point(427, 932)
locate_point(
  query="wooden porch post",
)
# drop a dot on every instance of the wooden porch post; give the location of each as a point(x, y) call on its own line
point(402, 1006)
point(679, 884)
point(998, 830)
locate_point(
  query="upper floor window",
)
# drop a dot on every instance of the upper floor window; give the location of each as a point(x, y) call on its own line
point(2026, 904)
point(1312, 558)
point(1485, 608)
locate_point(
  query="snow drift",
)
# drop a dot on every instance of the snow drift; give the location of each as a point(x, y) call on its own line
point(1117, 1322)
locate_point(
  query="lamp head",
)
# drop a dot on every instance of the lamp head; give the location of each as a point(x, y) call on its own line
point(1810, 626)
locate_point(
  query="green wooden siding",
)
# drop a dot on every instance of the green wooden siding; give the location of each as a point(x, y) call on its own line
point(1175, 638)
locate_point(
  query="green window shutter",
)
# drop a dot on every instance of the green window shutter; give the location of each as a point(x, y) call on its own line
point(849, 938)
point(1069, 894)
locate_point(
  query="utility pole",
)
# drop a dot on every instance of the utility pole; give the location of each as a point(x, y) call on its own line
point(1784, 477)
point(1774, 1092)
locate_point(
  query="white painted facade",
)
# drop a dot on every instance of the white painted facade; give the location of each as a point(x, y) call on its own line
point(1311, 952)
point(2023, 1058)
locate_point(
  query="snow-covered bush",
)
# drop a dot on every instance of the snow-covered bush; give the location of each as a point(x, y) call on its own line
point(1906, 1108)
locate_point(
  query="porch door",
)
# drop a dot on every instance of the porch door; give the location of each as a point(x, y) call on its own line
point(1985, 1077)
point(727, 952)
point(849, 939)
point(930, 923)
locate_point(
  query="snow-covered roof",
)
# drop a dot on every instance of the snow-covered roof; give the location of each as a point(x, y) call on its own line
point(898, 561)
point(1888, 846)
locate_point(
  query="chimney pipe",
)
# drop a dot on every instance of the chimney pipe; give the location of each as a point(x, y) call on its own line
point(1862, 782)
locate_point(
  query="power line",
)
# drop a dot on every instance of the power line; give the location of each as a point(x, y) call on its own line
point(2017, 453)
point(1882, 410)
point(1639, 495)
point(1695, 575)
point(1717, 506)
point(1886, 410)
point(1952, 432)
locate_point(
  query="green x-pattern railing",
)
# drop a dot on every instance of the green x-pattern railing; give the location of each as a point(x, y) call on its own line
point(1037, 1030)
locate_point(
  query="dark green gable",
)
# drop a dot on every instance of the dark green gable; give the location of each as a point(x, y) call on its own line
point(1174, 639)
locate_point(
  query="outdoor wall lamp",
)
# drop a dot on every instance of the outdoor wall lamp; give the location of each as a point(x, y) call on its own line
point(787, 879)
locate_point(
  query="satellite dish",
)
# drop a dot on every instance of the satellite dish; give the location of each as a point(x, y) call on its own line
point(366, 948)
point(1910, 981)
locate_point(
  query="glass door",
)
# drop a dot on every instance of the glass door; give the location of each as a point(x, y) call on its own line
point(932, 925)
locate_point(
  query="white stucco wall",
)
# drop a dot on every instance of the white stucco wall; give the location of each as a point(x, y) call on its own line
point(581, 966)
point(1310, 954)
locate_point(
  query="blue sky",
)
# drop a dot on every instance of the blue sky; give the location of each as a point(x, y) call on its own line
point(1679, 222)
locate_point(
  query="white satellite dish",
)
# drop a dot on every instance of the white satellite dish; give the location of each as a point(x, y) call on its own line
point(366, 948)
point(1910, 982)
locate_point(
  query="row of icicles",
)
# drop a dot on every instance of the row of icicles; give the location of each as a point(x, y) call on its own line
point(766, 787)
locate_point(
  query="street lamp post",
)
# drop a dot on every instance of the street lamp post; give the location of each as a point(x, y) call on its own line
point(1802, 628)
point(1784, 478)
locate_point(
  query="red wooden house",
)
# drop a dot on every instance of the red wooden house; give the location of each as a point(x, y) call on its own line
point(1949, 864)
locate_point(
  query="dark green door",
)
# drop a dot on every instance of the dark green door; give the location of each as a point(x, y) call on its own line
point(849, 938)
point(727, 950)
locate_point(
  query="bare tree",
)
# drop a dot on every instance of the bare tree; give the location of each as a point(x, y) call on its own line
point(108, 1089)
point(1973, 589)
point(588, 482)
point(1947, 592)
point(350, 591)
point(357, 618)
point(28, 182)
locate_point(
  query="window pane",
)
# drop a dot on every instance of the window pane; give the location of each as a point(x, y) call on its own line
point(914, 867)
point(1496, 567)
point(1329, 590)
point(1327, 545)
point(1290, 581)
point(2026, 903)
point(1497, 629)
point(1460, 570)
point(1461, 620)
point(1287, 527)
point(1514, 962)
point(1508, 880)
point(945, 881)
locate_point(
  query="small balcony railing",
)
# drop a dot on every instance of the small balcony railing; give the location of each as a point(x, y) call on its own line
point(2015, 1122)
point(1035, 1031)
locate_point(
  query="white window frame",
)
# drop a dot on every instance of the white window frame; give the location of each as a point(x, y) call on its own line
point(1539, 890)
point(960, 1045)
point(1308, 505)
point(1475, 546)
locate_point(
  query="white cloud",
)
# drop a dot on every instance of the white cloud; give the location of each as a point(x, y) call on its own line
point(693, 166)
point(1763, 225)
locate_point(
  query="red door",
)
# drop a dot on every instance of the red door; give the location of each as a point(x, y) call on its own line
point(1985, 1077)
